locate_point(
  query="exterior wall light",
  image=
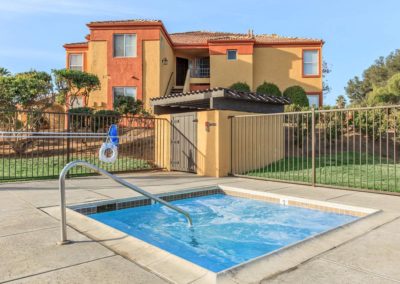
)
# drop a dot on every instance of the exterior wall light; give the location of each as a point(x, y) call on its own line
point(209, 124)
point(164, 61)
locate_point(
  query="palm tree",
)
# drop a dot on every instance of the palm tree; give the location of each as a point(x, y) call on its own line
point(4, 72)
point(341, 102)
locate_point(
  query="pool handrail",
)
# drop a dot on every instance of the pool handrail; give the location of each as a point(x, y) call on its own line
point(119, 180)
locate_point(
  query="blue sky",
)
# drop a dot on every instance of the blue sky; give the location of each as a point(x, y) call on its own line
point(356, 32)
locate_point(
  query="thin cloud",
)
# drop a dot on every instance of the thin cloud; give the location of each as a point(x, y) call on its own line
point(66, 7)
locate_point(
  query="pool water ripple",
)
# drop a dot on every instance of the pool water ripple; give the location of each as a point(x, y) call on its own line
point(226, 230)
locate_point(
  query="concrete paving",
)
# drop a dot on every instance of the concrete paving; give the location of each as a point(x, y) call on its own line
point(28, 236)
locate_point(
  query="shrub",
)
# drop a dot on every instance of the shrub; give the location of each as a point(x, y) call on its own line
point(297, 95)
point(127, 105)
point(240, 87)
point(103, 119)
point(269, 89)
point(80, 117)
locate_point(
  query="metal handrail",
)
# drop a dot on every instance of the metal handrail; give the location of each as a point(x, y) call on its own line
point(70, 165)
point(169, 82)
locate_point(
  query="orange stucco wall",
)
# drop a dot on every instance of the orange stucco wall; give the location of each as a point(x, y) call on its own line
point(124, 71)
point(283, 66)
point(155, 63)
point(221, 49)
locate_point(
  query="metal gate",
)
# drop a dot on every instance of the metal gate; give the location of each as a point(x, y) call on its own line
point(183, 142)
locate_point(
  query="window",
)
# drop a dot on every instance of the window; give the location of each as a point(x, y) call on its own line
point(232, 54)
point(76, 62)
point(311, 62)
point(125, 91)
point(313, 100)
point(77, 102)
point(200, 67)
point(125, 45)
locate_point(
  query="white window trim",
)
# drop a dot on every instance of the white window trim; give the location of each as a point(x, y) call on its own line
point(125, 87)
point(69, 61)
point(317, 63)
point(133, 56)
point(227, 54)
point(313, 95)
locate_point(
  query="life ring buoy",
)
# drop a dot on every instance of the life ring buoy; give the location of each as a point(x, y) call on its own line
point(108, 147)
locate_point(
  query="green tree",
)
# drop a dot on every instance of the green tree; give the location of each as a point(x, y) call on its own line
point(4, 72)
point(31, 90)
point(73, 84)
point(357, 90)
point(297, 95)
point(341, 102)
point(325, 71)
point(240, 87)
point(389, 93)
point(269, 89)
point(361, 90)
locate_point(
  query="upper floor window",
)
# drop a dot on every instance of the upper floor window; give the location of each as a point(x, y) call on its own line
point(311, 62)
point(231, 54)
point(125, 91)
point(76, 62)
point(124, 45)
point(200, 67)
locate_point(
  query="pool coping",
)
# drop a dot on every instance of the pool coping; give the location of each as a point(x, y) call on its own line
point(179, 270)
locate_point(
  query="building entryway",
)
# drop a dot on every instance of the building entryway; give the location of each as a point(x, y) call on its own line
point(184, 142)
point(182, 65)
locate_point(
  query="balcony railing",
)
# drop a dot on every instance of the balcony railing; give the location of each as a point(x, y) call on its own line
point(200, 72)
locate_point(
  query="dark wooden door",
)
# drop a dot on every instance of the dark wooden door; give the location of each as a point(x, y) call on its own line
point(182, 65)
point(183, 142)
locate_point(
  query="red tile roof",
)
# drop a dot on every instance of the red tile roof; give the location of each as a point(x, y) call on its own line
point(202, 37)
point(125, 22)
point(76, 44)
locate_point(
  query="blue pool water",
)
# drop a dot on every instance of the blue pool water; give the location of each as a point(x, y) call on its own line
point(226, 230)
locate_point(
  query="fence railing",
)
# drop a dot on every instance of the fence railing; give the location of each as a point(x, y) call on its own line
point(346, 148)
point(43, 157)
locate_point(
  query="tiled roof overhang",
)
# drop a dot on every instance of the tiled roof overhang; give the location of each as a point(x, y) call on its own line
point(219, 98)
point(76, 45)
point(202, 39)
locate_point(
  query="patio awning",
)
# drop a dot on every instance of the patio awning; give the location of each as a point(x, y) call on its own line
point(219, 99)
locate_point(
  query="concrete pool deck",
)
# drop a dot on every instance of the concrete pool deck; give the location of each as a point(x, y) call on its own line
point(28, 236)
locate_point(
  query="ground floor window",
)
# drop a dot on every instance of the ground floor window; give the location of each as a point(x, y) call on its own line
point(76, 102)
point(125, 91)
point(313, 100)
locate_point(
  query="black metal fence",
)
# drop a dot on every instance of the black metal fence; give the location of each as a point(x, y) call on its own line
point(346, 148)
point(38, 156)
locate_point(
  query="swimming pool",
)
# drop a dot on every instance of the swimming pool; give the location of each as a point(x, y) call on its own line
point(227, 230)
point(239, 235)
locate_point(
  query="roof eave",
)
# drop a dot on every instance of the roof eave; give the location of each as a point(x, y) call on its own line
point(75, 45)
point(291, 43)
